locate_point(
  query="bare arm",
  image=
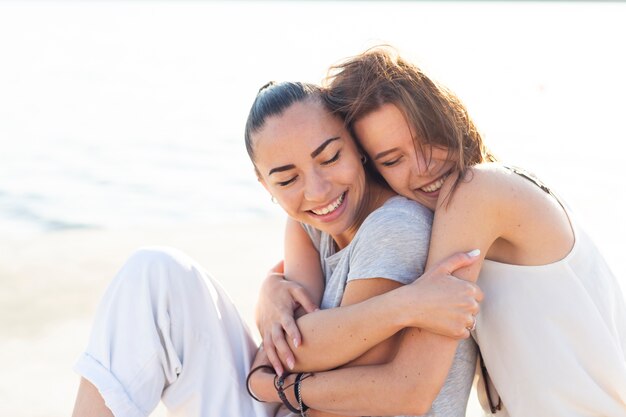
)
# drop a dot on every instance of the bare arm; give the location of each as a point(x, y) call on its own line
point(407, 385)
point(497, 211)
point(436, 302)
point(281, 301)
point(424, 358)
point(348, 336)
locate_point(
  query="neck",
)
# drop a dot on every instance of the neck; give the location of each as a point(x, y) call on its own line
point(374, 197)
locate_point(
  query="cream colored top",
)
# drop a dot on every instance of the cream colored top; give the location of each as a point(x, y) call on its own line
point(553, 337)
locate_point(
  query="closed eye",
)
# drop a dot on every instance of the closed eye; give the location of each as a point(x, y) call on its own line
point(392, 162)
point(285, 183)
point(333, 159)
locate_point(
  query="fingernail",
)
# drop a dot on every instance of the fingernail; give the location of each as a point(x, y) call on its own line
point(296, 343)
point(290, 363)
point(473, 253)
point(316, 309)
point(279, 371)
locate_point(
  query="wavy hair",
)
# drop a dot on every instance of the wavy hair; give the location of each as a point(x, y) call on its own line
point(436, 117)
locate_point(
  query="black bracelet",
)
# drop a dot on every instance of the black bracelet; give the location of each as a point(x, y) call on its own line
point(248, 380)
point(281, 393)
point(298, 393)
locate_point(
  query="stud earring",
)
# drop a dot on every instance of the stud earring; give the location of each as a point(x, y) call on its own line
point(273, 199)
point(363, 159)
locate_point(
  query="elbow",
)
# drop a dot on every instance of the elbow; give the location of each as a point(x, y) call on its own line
point(417, 402)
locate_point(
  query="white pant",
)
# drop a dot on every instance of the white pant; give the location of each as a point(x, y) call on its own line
point(166, 330)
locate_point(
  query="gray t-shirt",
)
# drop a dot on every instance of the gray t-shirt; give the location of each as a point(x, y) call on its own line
point(392, 243)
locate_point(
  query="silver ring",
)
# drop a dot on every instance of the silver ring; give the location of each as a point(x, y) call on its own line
point(473, 326)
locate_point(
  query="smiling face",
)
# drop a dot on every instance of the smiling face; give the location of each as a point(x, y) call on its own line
point(309, 162)
point(415, 173)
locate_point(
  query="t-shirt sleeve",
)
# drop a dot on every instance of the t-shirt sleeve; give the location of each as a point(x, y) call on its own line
point(392, 243)
point(314, 234)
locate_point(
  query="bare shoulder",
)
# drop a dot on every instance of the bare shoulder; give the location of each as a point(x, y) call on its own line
point(485, 185)
point(524, 223)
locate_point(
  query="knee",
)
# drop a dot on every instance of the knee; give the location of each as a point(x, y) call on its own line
point(157, 267)
point(157, 256)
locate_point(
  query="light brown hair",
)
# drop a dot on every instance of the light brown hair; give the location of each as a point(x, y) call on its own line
point(436, 117)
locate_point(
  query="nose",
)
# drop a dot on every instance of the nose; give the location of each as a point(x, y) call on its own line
point(317, 187)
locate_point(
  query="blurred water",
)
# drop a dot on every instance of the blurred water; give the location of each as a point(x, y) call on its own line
point(125, 114)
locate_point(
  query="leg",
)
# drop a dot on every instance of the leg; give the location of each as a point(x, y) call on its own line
point(89, 402)
point(165, 330)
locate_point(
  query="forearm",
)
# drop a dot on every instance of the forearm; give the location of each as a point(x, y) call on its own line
point(334, 337)
point(407, 385)
point(262, 385)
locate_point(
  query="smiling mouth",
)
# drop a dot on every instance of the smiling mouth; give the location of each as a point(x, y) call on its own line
point(435, 185)
point(329, 208)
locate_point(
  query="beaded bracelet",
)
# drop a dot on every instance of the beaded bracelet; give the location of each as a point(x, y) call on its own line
point(248, 380)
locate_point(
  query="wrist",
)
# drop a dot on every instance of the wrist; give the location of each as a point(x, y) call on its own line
point(402, 309)
point(262, 385)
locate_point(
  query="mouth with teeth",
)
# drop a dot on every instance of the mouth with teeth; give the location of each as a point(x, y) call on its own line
point(331, 209)
point(434, 186)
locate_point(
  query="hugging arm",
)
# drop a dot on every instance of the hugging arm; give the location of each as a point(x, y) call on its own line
point(412, 379)
point(437, 302)
point(281, 300)
point(410, 382)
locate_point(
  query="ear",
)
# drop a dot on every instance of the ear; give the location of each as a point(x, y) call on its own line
point(263, 183)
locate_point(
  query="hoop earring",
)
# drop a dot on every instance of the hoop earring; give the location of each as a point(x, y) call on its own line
point(273, 200)
point(363, 159)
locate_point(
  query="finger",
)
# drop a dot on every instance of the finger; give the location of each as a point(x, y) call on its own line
point(301, 296)
point(458, 260)
point(465, 334)
point(282, 348)
point(291, 329)
point(479, 294)
point(460, 333)
point(475, 309)
point(270, 351)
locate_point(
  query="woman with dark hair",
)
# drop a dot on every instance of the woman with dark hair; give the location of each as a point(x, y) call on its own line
point(166, 331)
point(552, 327)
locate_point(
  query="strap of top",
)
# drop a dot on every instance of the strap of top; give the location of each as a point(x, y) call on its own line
point(530, 177)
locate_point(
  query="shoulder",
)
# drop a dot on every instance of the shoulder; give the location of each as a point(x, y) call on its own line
point(399, 210)
point(398, 221)
point(313, 234)
point(486, 186)
point(392, 242)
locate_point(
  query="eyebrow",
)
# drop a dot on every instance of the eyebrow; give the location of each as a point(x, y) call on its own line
point(385, 153)
point(323, 146)
point(281, 169)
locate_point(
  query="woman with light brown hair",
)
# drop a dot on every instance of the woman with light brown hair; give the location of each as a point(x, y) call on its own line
point(552, 327)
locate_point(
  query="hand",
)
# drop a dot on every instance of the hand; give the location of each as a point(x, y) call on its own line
point(275, 314)
point(442, 303)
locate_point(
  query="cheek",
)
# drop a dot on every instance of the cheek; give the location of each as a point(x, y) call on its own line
point(398, 179)
point(287, 202)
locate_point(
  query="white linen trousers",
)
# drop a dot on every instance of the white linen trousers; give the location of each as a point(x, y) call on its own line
point(165, 330)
